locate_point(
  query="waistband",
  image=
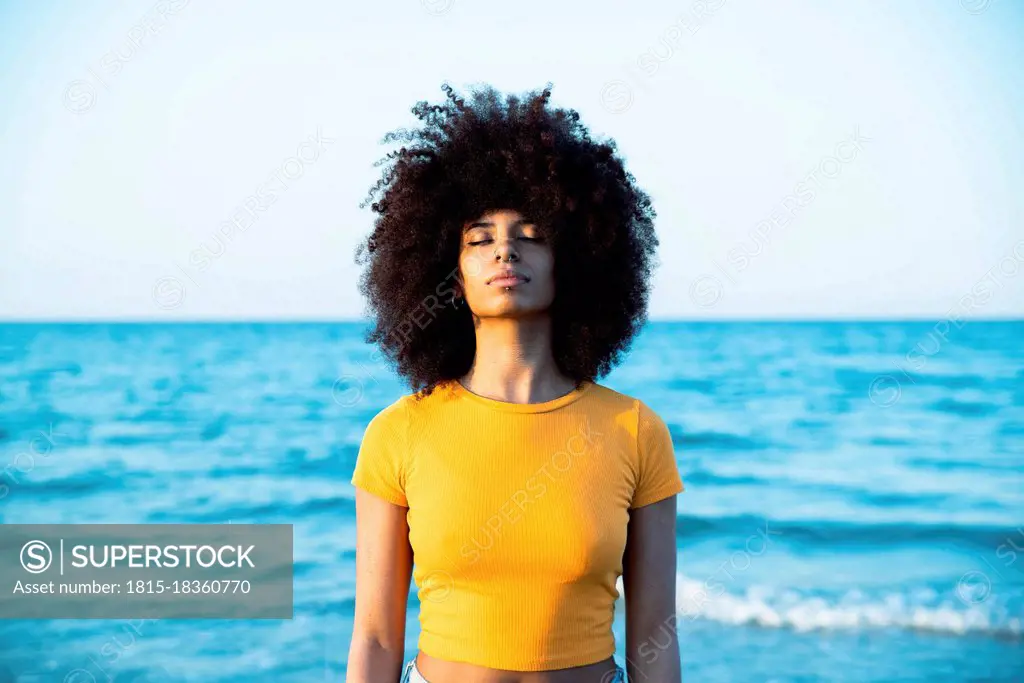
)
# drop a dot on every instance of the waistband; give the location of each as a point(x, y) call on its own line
point(412, 675)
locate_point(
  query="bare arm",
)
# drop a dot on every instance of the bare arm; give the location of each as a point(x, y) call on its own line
point(649, 580)
point(383, 569)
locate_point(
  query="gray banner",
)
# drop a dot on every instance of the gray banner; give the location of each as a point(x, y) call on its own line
point(146, 571)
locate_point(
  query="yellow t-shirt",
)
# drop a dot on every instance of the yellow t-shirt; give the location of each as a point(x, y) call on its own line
point(517, 516)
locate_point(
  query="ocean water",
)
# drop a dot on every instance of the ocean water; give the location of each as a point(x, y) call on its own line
point(854, 507)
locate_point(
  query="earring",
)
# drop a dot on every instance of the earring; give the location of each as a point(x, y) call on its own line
point(456, 301)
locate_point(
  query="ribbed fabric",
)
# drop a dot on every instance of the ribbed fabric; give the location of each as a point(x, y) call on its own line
point(517, 516)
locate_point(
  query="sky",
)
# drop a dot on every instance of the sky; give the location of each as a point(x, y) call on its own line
point(806, 160)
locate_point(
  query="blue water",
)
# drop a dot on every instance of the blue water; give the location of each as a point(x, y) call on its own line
point(854, 507)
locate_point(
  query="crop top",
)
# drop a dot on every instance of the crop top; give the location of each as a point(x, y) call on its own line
point(517, 516)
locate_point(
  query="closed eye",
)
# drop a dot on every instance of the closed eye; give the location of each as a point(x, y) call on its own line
point(524, 238)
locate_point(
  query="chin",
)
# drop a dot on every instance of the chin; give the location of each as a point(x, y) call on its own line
point(512, 309)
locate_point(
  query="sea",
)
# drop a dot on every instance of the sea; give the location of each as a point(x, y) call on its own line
point(854, 504)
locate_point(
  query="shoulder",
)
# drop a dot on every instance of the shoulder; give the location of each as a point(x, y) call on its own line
point(391, 414)
point(624, 404)
point(611, 397)
point(390, 421)
point(412, 406)
point(648, 430)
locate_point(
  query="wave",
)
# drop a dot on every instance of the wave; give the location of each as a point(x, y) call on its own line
point(921, 610)
point(964, 408)
point(962, 465)
point(831, 532)
point(83, 485)
point(715, 441)
point(695, 599)
point(707, 477)
point(255, 513)
point(856, 381)
point(700, 386)
point(1012, 428)
point(889, 441)
point(888, 499)
point(858, 495)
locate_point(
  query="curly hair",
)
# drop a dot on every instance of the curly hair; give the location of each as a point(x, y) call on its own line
point(511, 152)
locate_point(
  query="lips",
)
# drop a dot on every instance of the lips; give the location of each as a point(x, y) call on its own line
point(507, 278)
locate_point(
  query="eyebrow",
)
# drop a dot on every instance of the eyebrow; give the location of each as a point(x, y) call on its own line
point(489, 224)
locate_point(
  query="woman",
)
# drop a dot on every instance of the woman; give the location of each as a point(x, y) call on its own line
point(507, 270)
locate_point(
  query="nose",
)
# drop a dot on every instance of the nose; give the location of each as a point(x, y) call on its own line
point(506, 251)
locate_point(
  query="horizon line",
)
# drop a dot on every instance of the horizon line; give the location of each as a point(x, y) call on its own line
point(323, 321)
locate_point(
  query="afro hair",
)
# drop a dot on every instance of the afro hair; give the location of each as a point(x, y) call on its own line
point(504, 152)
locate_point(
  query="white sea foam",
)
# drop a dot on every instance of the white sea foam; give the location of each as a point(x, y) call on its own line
point(921, 609)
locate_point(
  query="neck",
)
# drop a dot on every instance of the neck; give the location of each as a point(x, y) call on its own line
point(514, 362)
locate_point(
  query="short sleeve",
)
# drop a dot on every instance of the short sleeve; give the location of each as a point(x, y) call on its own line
point(380, 465)
point(657, 473)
